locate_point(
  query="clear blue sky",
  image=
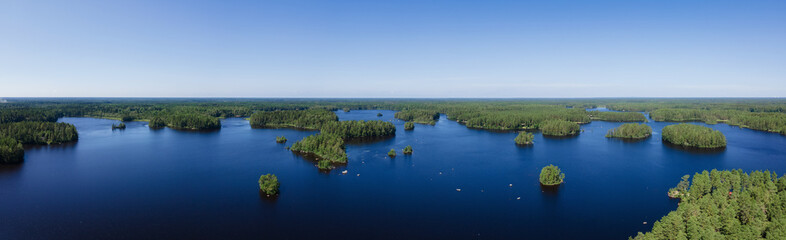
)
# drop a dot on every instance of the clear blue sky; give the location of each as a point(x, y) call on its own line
point(451, 48)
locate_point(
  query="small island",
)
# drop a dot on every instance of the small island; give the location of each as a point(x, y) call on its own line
point(346, 109)
point(11, 151)
point(524, 138)
point(409, 126)
point(268, 184)
point(559, 128)
point(551, 176)
point(693, 136)
point(281, 139)
point(630, 131)
point(119, 126)
point(407, 150)
point(392, 153)
point(379, 114)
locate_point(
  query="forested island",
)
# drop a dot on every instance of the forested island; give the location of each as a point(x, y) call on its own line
point(559, 128)
point(407, 150)
point(524, 138)
point(269, 184)
point(119, 126)
point(695, 136)
point(418, 116)
point(726, 205)
point(281, 139)
point(551, 175)
point(617, 116)
point(409, 126)
point(392, 153)
point(630, 131)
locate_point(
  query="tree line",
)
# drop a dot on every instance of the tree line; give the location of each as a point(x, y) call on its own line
point(11, 150)
point(630, 131)
point(305, 119)
point(559, 128)
point(39, 132)
point(617, 116)
point(359, 129)
point(418, 115)
point(690, 135)
point(763, 121)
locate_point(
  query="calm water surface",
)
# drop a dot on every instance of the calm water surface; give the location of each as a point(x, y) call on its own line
point(140, 184)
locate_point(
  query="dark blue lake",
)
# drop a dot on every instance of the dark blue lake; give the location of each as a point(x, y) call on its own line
point(166, 184)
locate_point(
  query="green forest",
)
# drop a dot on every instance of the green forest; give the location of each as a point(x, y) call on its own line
point(359, 129)
point(630, 131)
point(418, 116)
point(11, 151)
point(39, 132)
point(617, 116)
point(191, 122)
point(324, 146)
point(758, 114)
point(726, 205)
point(691, 135)
point(304, 119)
point(763, 121)
point(559, 128)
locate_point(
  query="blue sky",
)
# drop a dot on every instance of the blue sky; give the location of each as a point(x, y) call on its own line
point(392, 48)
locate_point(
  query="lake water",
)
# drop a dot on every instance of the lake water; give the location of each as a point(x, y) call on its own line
point(141, 184)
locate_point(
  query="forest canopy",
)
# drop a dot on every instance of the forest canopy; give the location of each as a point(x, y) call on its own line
point(305, 119)
point(418, 116)
point(551, 175)
point(617, 116)
point(691, 135)
point(630, 131)
point(359, 129)
point(39, 132)
point(11, 151)
point(726, 205)
point(559, 128)
point(524, 138)
point(324, 146)
point(269, 184)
